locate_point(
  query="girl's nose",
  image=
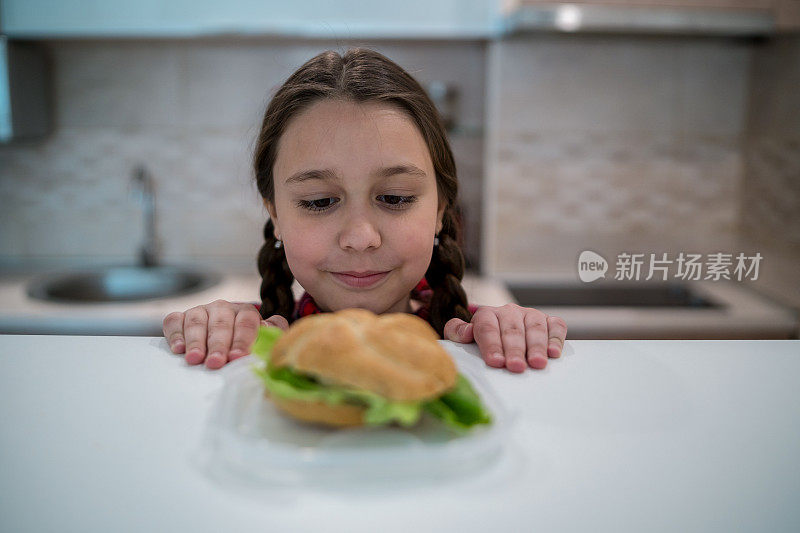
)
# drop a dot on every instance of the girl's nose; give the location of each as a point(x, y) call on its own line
point(359, 234)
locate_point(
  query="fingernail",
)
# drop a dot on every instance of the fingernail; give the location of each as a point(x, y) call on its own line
point(194, 356)
point(236, 352)
point(462, 329)
point(177, 347)
point(497, 359)
point(515, 364)
point(538, 361)
point(215, 360)
point(553, 352)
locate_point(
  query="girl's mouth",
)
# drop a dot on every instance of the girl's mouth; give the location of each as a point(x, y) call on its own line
point(360, 279)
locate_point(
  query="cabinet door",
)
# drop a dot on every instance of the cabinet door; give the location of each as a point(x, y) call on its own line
point(307, 18)
point(733, 4)
point(788, 15)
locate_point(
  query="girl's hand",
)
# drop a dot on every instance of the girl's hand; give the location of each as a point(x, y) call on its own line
point(222, 329)
point(511, 335)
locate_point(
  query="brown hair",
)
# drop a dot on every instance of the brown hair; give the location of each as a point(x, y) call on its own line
point(361, 75)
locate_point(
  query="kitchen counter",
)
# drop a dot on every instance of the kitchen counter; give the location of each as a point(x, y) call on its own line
point(20, 314)
point(743, 313)
point(98, 434)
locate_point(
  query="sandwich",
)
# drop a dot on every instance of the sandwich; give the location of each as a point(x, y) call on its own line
point(355, 368)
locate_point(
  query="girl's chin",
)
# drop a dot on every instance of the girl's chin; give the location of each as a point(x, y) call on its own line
point(346, 297)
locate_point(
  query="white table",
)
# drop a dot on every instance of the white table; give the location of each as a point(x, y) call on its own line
point(96, 434)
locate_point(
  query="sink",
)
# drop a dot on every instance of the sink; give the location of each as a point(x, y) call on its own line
point(679, 309)
point(121, 284)
point(669, 295)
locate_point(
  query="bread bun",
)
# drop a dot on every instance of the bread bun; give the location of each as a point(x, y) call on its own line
point(341, 415)
point(395, 355)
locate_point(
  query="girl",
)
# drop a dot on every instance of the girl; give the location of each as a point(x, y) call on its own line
point(356, 172)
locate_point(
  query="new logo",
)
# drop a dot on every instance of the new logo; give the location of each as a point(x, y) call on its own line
point(591, 266)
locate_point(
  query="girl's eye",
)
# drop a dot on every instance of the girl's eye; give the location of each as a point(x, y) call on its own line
point(398, 202)
point(393, 201)
point(317, 205)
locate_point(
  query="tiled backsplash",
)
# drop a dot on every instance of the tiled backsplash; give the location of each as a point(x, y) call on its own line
point(608, 143)
point(613, 144)
point(190, 112)
point(771, 199)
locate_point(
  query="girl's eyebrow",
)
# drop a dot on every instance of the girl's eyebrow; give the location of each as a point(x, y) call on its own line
point(305, 175)
point(408, 168)
point(329, 175)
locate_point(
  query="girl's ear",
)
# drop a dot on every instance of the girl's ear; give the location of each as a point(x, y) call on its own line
point(273, 216)
point(440, 216)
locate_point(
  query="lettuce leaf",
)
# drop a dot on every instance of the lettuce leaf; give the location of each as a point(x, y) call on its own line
point(265, 339)
point(459, 408)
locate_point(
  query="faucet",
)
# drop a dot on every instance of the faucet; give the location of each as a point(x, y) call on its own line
point(148, 252)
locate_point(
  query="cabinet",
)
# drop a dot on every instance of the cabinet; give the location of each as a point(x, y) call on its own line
point(192, 18)
point(354, 19)
point(714, 16)
point(711, 4)
point(788, 14)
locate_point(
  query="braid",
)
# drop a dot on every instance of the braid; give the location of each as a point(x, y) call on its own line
point(276, 278)
point(444, 276)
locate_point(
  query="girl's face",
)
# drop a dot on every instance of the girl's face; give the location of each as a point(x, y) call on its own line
point(355, 192)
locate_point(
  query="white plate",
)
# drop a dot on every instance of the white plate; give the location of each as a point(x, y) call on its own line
point(248, 438)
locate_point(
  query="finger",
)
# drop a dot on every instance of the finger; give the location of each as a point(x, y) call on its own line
point(457, 330)
point(512, 333)
point(221, 317)
point(195, 325)
point(536, 338)
point(557, 334)
point(173, 332)
point(278, 321)
point(487, 335)
point(245, 329)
